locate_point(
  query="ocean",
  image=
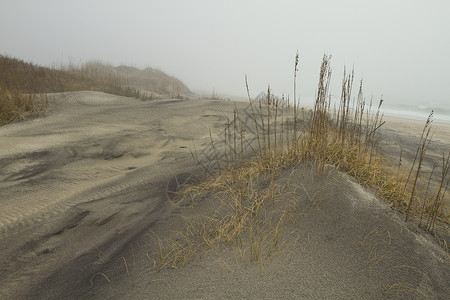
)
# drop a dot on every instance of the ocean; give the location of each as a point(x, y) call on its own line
point(418, 111)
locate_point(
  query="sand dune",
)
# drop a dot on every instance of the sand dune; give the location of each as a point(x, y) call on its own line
point(85, 173)
point(82, 185)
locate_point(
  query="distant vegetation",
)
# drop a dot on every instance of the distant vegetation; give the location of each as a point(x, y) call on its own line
point(151, 80)
point(24, 85)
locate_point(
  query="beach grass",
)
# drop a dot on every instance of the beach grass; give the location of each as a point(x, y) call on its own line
point(253, 209)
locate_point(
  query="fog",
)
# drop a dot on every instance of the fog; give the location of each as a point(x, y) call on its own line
point(399, 48)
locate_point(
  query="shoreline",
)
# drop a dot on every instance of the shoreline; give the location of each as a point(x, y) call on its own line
point(441, 131)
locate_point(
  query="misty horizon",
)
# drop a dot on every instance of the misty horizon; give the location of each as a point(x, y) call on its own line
point(397, 48)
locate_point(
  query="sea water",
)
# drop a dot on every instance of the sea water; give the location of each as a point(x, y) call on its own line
point(441, 111)
point(420, 112)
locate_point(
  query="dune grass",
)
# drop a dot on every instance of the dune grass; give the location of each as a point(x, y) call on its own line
point(346, 137)
point(24, 86)
point(16, 105)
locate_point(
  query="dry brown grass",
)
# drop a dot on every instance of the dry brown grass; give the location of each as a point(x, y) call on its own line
point(16, 105)
point(23, 85)
point(247, 216)
point(346, 138)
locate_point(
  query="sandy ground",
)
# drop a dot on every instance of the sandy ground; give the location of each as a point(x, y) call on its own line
point(82, 186)
point(401, 137)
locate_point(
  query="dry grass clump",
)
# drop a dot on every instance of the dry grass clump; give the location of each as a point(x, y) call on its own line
point(249, 215)
point(346, 137)
point(16, 105)
point(20, 96)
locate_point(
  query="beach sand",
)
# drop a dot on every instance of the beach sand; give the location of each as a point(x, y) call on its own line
point(86, 186)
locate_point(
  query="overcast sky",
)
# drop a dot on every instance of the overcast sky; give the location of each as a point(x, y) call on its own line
point(400, 48)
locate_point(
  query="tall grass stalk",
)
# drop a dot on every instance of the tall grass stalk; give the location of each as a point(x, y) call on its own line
point(420, 154)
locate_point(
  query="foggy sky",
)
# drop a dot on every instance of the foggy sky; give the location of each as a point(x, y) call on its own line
point(399, 48)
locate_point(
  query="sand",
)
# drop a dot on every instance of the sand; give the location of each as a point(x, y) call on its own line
point(82, 186)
